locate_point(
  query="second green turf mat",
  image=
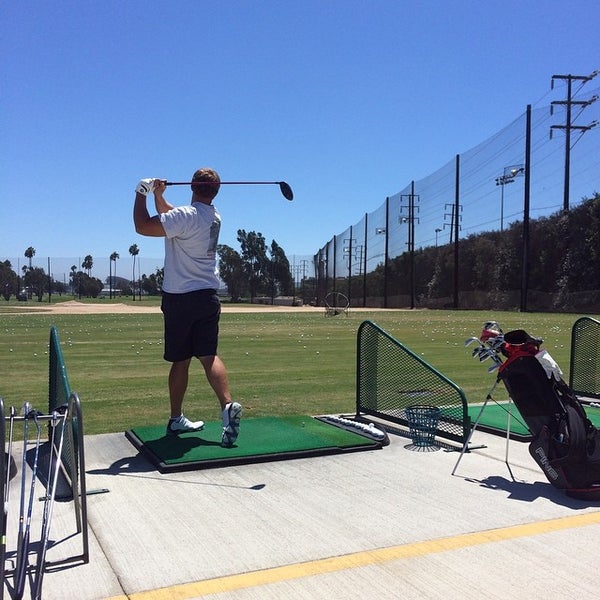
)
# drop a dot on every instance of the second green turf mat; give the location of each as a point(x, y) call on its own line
point(494, 419)
point(261, 439)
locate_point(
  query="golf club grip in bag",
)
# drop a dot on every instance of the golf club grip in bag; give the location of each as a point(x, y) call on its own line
point(565, 445)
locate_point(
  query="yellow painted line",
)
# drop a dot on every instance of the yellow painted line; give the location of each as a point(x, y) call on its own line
point(362, 559)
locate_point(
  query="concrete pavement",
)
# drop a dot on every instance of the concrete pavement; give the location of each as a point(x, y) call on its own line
point(391, 523)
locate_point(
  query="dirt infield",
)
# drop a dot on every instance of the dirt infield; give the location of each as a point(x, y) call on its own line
point(73, 307)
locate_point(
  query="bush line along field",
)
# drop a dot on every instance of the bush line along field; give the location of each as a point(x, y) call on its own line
point(279, 362)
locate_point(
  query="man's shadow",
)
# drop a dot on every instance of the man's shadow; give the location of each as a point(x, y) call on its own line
point(179, 447)
point(139, 466)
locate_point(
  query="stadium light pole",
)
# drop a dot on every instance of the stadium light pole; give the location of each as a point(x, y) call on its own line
point(507, 177)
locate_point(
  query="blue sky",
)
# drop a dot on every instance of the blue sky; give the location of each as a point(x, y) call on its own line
point(347, 101)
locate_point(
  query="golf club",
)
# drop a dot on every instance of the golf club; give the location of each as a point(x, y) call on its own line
point(22, 564)
point(21, 556)
point(9, 462)
point(50, 498)
point(286, 190)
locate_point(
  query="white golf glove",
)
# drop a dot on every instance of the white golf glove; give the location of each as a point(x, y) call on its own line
point(145, 187)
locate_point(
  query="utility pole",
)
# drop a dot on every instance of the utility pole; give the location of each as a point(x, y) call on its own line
point(349, 252)
point(526, 211)
point(457, 207)
point(569, 103)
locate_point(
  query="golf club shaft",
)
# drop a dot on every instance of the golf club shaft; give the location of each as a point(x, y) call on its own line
point(21, 556)
point(5, 500)
point(286, 190)
point(22, 568)
point(227, 182)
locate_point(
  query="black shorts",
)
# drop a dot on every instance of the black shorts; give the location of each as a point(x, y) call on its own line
point(191, 323)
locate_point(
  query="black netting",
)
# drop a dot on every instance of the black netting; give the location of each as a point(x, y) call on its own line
point(433, 242)
point(584, 376)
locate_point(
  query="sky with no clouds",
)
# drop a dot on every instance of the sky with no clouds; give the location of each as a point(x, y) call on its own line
point(347, 101)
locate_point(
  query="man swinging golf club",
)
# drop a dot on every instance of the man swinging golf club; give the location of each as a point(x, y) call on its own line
point(190, 305)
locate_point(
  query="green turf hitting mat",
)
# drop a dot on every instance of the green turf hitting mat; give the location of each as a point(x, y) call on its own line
point(494, 419)
point(261, 439)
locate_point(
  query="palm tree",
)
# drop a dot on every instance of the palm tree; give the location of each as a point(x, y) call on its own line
point(140, 276)
point(113, 258)
point(134, 251)
point(30, 253)
point(73, 278)
point(87, 264)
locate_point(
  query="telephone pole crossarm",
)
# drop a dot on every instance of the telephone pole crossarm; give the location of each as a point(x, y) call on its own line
point(569, 103)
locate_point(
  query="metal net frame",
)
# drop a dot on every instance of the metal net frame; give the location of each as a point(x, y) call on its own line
point(391, 379)
point(61, 399)
point(584, 374)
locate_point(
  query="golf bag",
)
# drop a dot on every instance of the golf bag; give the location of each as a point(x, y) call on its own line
point(565, 445)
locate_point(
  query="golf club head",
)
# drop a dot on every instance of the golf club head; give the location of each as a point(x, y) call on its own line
point(491, 330)
point(480, 352)
point(492, 325)
point(470, 340)
point(286, 190)
point(496, 343)
point(484, 355)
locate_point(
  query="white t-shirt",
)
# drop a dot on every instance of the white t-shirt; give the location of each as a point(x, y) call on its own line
point(192, 235)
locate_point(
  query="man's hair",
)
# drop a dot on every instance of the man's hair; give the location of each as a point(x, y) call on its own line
point(209, 183)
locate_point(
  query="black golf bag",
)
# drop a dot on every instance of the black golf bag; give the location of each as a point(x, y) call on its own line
point(565, 445)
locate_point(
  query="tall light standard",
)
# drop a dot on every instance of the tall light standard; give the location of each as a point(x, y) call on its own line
point(507, 177)
point(350, 252)
point(437, 230)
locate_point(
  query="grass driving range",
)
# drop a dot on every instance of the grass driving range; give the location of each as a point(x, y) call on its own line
point(280, 363)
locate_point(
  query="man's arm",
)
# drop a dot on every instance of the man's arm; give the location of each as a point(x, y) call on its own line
point(161, 204)
point(144, 223)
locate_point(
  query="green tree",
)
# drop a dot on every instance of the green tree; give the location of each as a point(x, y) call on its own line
point(150, 284)
point(36, 281)
point(231, 271)
point(59, 287)
point(281, 273)
point(8, 280)
point(159, 274)
point(91, 286)
point(256, 262)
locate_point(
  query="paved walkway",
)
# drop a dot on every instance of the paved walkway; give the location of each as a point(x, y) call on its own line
point(386, 524)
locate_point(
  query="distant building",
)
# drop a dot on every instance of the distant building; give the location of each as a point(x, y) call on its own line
point(106, 292)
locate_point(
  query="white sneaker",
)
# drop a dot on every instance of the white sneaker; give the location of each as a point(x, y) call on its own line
point(182, 424)
point(232, 414)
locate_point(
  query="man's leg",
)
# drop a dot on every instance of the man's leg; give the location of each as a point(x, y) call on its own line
point(216, 373)
point(178, 382)
point(231, 412)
